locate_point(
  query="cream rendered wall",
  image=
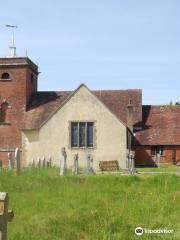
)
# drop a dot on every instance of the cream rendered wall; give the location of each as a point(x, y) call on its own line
point(30, 145)
point(110, 133)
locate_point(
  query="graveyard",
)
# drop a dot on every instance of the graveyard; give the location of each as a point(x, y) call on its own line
point(89, 120)
point(90, 206)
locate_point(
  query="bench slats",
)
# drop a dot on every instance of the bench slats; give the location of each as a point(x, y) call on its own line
point(109, 165)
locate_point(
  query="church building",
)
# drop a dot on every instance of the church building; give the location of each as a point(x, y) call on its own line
point(104, 123)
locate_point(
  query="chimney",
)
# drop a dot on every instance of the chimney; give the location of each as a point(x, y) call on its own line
point(130, 110)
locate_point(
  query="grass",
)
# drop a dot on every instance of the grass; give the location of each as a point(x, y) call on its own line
point(103, 207)
point(163, 168)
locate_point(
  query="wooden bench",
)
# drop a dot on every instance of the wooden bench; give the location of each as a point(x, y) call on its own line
point(109, 165)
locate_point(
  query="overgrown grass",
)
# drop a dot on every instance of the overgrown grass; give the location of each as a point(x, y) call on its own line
point(104, 207)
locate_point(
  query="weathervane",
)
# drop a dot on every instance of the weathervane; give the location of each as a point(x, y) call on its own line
point(12, 47)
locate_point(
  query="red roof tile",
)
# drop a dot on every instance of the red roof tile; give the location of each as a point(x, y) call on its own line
point(44, 104)
point(161, 125)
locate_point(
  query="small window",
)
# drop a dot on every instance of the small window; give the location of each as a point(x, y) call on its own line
point(82, 134)
point(3, 112)
point(5, 76)
point(155, 150)
point(74, 134)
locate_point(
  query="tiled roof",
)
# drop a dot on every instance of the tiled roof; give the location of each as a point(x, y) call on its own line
point(44, 104)
point(161, 125)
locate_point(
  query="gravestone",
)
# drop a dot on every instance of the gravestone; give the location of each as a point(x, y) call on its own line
point(158, 160)
point(49, 162)
point(127, 159)
point(11, 161)
point(132, 164)
point(33, 163)
point(5, 215)
point(17, 159)
point(63, 163)
point(75, 165)
point(89, 163)
point(43, 162)
point(39, 162)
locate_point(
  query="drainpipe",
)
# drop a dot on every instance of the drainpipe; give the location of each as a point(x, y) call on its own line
point(130, 110)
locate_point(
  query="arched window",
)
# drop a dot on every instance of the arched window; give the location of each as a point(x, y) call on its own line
point(3, 111)
point(5, 76)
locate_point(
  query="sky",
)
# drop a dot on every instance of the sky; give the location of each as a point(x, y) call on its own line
point(106, 44)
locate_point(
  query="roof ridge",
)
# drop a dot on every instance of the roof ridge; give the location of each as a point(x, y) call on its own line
point(116, 90)
point(160, 105)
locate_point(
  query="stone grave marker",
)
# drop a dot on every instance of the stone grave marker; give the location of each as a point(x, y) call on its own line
point(43, 162)
point(39, 162)
point(75, 165)
point(49, 162)
point(11, 161)
point(63, 163)
point(132, 165)
point(158, 159)
point(17, 159)
point(33, 163)
point(89, 163)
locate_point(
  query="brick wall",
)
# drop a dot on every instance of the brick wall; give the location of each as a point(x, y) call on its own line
point(16, 91)
point(143, 155)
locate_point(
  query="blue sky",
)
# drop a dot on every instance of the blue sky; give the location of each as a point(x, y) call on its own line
point(106, 44)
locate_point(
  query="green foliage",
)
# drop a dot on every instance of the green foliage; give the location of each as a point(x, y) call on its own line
point(176, 103)
point(102, 207)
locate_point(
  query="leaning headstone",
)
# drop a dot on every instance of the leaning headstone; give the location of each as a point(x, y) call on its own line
point(75, 165)
point(5, 215)
point(17, 159)
point(11, 161)
point(63, 164)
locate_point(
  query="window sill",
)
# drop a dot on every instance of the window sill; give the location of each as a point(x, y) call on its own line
point(81, 148)
point(6, 80)
point(156, 155)
point(5, 123)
